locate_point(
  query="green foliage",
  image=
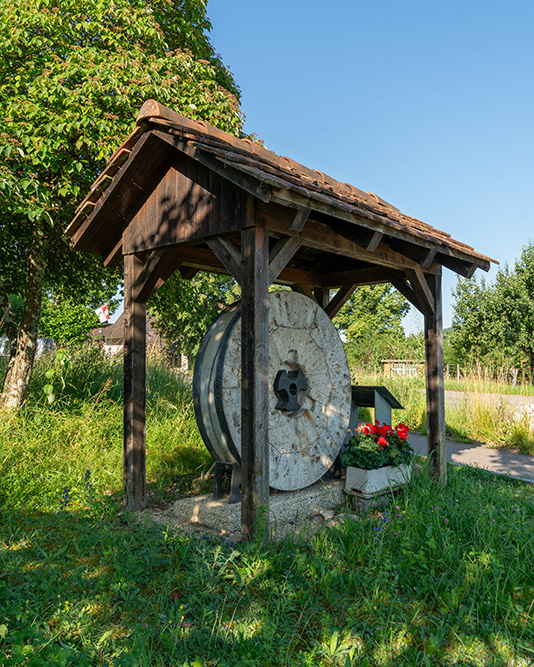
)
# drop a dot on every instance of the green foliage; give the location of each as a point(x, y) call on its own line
point(50, 444)
point(373, 446)
point(493, 323)
point(72, 76)
point(67, 322)
point(184, 309)
point(371, 322)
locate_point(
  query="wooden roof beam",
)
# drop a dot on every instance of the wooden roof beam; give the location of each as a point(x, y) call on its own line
point(370, 276)
point(323, 237)
point(374, 222)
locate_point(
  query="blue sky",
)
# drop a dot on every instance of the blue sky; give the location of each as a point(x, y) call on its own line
point(429, 105)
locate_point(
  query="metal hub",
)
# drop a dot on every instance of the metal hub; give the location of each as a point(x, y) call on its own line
point(287, 386)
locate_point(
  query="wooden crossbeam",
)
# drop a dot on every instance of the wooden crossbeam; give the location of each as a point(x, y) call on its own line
point(370, 276)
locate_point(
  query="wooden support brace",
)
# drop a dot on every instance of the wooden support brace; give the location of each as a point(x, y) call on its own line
point(435, 393)
point(322, 296)
point(160, 265)
point(423, 294)
point(374, 241)
point(281, 255)
point(470, 271)
point(188, 272)
point(114, 255)
point(300, 219)
point(255, 381)
point(341, 297)
point(134, 388)
point(405, 289)
point(227, 254)
point(430, 257)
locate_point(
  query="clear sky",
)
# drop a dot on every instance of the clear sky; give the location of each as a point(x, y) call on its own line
point(428, 104)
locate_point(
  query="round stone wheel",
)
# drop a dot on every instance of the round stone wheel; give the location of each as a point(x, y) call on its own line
point(309, 390)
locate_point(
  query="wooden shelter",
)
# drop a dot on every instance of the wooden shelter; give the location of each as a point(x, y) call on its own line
point(182, 195)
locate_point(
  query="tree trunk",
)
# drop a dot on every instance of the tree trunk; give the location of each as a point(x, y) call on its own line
point(17, 379)
point(7, 319)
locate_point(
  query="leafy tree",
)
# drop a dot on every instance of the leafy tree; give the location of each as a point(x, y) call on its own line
point(474, 326)
point(68, 321)
point(184, 309)
point(494, 323)
point(72, 75)
point(371, 323)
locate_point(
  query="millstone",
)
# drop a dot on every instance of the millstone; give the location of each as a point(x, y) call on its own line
point(309, 390)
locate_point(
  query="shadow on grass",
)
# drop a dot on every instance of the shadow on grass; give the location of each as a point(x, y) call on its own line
point(437, 577)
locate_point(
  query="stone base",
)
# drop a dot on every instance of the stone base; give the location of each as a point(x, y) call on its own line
point(287, 509)
point(370, 483)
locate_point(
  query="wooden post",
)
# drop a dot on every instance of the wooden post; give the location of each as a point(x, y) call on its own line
point(134, 388)
point(254, 381)
point(435, 393)
point(322, 296)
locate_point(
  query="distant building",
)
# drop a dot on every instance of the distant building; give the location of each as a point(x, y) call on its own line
point(111, 340)
point(44, 345)
point(402, 367)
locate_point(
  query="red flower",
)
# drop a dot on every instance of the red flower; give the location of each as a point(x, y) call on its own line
point(382, 442)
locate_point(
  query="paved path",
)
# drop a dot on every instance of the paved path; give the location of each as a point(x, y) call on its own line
point(503, 461)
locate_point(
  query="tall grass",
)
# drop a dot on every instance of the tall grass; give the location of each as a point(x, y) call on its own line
point(51, 447)
point(435, 576)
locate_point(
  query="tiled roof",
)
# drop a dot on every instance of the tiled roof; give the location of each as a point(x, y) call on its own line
point(277, 177)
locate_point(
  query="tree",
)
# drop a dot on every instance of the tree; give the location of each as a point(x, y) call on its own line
point(68, 321)
point(475, 328)
point(72, 75)
point(371, 323)
point(184, 309)
point(494, 323)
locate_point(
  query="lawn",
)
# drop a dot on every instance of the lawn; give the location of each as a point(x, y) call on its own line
point(433, 576)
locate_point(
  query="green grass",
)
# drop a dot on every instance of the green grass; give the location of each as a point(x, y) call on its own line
point(435, 576)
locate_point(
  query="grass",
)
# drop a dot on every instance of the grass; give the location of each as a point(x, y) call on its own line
point(434, 576)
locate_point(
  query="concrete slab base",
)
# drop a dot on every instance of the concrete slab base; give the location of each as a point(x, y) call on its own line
point(288, 510)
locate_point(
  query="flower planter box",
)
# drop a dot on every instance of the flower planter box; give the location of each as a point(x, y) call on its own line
point(371, 483)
